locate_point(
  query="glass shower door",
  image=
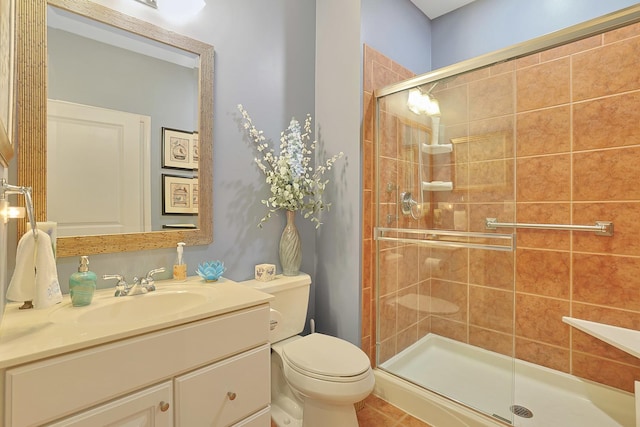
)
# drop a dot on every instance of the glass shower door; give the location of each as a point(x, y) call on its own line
point(445, 284)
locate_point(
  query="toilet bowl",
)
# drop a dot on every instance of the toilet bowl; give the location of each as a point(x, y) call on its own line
point(315, 379)
point(326, 376)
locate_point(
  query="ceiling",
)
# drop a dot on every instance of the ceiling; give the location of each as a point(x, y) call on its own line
point(435, 8)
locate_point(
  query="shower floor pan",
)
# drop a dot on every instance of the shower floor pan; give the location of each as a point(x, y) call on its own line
point(483, 380)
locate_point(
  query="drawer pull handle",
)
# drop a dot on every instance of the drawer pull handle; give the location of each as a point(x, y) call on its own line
point(231, 395)
point(164, 406)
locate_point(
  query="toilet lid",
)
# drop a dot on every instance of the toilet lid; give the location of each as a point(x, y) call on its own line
point(327, 356)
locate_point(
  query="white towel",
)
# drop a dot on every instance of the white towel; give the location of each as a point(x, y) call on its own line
point(36, 276)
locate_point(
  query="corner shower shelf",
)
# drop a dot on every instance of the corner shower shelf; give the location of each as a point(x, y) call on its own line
point(437, 186)
point(437, 148)
point(625, 339)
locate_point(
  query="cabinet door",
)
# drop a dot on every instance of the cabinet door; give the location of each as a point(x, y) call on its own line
point(260, 419)
point(225, 392)
point(151, 407)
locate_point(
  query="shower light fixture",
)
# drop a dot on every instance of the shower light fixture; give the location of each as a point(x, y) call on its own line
point(420, 103)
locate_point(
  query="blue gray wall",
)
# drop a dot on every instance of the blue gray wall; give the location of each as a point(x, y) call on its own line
point(399, 30)
point(488, 25)
point(338, 110)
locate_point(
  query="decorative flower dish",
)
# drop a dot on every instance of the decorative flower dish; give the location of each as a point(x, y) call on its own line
point(210, 271)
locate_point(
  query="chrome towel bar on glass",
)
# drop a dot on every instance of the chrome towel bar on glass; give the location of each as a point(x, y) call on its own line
point(602, 228)
point(446, 238)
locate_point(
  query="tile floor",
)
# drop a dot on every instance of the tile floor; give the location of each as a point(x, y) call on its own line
point(379, 413)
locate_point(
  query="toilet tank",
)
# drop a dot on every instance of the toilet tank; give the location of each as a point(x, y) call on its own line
point(289, 307)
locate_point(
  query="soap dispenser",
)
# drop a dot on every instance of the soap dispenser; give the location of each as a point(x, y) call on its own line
point(180, 268)
point(82, 284)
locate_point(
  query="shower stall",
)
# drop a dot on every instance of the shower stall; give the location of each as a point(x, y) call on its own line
point(472, 161)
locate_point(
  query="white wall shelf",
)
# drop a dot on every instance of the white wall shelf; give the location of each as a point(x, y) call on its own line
point(437, 148)
point(625, 339)
point(437, 186)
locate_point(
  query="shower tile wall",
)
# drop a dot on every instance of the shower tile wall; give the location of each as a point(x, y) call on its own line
point(379, 71)
point(569, 116)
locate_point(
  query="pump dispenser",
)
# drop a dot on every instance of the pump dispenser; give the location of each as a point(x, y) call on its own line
point(82, 284)
point(180, 268)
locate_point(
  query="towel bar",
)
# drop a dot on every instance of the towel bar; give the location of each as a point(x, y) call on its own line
point(602, 228)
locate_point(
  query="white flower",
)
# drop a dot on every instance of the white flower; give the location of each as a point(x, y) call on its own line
point(293, 183)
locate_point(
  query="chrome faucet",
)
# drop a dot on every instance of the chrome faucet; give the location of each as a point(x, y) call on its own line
point(147, 282)
point(122, 288)
point(139, 285)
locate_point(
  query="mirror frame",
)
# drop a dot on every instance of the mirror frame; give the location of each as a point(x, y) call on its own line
point(6, 146)
point(31, 75)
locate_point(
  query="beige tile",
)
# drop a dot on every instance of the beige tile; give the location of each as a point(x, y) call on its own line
point(543, 213)
point(624, 216)
point(605, 371)
point(543, 85)
point(540, 319)
point(545, 131)
point(625, 32)
point(448, 328)
point(606, 280)
point(491, 97)
point(388, 308)
point(592, 76)
point(543, 178)
point(543, 354)
point(454, 294)
point(607, 175)
point(491, 268)
point(604, 123)
point(369, 417)
point(544, 273)
point(491, 340)
point(491, 308)
point(571, 48)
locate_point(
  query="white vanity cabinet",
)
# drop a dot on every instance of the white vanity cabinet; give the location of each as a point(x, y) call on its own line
point(209, 372)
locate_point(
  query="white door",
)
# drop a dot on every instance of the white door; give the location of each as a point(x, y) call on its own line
point(98, 179)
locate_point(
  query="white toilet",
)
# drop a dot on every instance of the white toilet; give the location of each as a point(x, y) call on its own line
point(316, 379)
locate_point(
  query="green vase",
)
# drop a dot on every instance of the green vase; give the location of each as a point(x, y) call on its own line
point(290, 247)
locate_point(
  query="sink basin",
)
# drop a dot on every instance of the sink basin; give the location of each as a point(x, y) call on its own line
point(138, 308)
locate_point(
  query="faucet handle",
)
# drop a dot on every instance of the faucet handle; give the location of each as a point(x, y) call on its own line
point(154, 271)
point(149, 278)
point(121, 286)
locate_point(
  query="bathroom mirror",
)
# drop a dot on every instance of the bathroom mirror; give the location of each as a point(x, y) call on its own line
point(33, 93)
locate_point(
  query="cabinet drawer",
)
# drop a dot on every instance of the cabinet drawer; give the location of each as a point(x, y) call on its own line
point(226, 392)
point(43, 391)
point(259, 419)
point(151, 407)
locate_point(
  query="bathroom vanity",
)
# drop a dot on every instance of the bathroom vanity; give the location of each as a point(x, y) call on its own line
point(187, 354)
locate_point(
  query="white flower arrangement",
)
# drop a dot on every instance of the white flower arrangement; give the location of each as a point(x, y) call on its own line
point(294, 184)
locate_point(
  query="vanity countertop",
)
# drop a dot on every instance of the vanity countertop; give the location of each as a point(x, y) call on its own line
point(29, 335)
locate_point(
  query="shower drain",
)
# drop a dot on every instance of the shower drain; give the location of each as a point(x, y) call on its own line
point(521, 411)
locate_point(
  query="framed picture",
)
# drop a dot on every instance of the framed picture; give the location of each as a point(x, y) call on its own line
point(7, 44)
point(180, 195)
point(179, 151)
point(195, 150)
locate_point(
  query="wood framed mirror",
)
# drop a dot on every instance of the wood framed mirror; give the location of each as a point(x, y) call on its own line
point(7, 37)
point(31, 73)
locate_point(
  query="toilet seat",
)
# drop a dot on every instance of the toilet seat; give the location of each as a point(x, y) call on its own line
point(327, 358)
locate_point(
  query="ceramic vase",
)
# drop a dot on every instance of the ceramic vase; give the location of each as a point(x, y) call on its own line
point(290, 247)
